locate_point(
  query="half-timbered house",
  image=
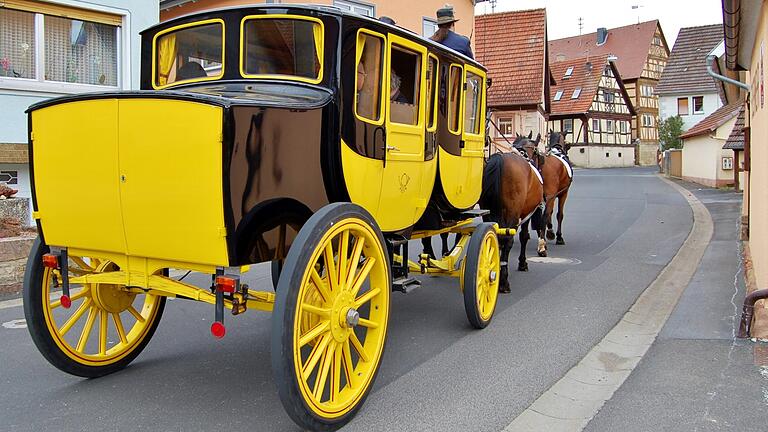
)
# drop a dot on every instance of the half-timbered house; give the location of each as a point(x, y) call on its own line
point(641, 52)
point(590, 104)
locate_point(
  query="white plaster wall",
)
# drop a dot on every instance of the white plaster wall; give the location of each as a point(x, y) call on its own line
point(668, 108)
point(700, 158)
point(596, 156)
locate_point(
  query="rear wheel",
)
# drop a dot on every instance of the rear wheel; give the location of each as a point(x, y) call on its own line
point(480, 275)
point(330, 318)
point(103, 330)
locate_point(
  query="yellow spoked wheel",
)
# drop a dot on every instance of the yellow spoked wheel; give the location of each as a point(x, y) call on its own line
point(330, 318)
point(102, 331)
point(480, 276)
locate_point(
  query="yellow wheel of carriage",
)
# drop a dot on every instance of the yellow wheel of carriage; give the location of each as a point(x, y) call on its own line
point(480, 275)
point(103, 330)
point(330, 318)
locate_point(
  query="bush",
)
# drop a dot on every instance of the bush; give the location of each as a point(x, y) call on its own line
point(670, 131)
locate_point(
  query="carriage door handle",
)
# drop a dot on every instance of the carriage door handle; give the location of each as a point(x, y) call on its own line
point(389, 147)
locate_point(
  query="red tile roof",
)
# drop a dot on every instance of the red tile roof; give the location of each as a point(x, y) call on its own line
point(629, 43)
point(736, 139)
point(512, 45)
point(686, 69)
point(582, 78)
point(713, 121)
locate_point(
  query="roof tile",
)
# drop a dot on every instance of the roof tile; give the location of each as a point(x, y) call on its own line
point(583, 77)
point(713, 121)
point(736, 140)
point(686, 69)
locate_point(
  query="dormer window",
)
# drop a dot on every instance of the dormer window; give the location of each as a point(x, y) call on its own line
point(559, 95)
point(568, 72)
point(576, 93)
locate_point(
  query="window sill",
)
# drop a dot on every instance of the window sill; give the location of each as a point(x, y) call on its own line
point(49, 87)
point(698, 113)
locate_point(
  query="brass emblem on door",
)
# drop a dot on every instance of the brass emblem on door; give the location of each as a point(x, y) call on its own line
point(404, 179)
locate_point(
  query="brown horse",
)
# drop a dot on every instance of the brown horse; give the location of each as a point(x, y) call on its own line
point(513, 192)
point(558, 176)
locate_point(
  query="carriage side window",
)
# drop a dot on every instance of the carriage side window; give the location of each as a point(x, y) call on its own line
point(472, 103)
point(404, 86)
point(431, 88)
point(192, 53)
point(288, 47)
point(454, 99)
point(368, 80)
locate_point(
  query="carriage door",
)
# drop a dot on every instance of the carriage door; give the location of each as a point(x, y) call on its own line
point(474, 112)
point(401, 196)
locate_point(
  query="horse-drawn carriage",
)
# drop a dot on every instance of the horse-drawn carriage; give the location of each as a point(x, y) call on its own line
point(318, 140)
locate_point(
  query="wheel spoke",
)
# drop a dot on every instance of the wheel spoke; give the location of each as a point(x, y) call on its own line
point(75, 317)
point(309, 308)
point(319, 284)
point(79, 261)
point(354, 261)
point(323, 376)
point(119, 327)
point(87, 329)
point(363, 299)
point(343, 257)
point(136, 314)
point(362, 275)
point(80, 294)
point(330, 266)
point(367, 323)
point(316, 354)
point(348, 366)
point(358, 347)
point(316, 331)
point(103, 333)
point(336, 373)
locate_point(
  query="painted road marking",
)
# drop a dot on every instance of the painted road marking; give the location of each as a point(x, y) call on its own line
point(11, 303)
point(15, 324)
point(554, 260)
point(571, 403)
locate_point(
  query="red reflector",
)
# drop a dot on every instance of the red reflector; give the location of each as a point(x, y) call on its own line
point(66, 302)
point(50, 261)
point(218, 330)
point(225, 284)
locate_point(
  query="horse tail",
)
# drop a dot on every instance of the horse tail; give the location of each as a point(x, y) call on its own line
point(490, 198)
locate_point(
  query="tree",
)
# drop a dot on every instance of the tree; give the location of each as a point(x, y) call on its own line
point(670, 131)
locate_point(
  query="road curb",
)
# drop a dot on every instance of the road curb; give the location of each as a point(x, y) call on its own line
point(573, 401)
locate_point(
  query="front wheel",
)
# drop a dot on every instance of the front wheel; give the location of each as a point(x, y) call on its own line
point(103, 330)
point(480, 275)
point(330, 317)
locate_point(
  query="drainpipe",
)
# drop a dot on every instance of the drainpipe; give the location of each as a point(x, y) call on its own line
point(748, 310)
point(711, 72)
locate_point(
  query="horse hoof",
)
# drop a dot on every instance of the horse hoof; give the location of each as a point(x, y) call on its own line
point(560, 241)
point(504, 289)
point(550, 235)
point(543, 253)
point(522, 267)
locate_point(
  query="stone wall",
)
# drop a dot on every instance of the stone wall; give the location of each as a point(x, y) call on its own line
point(13, 259)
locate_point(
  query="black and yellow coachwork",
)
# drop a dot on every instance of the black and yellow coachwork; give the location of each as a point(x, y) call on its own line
point(257, 129)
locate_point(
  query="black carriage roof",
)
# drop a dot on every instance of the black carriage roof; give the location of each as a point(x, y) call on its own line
point(324, 9)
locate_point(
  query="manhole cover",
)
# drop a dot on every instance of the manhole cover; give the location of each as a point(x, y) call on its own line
point(554, 260)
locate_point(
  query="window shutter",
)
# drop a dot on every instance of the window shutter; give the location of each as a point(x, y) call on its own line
point(63, 11)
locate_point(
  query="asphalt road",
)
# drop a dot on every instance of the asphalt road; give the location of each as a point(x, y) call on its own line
point(622, 226)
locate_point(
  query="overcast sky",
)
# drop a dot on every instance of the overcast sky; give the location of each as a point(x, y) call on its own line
point(562, 15)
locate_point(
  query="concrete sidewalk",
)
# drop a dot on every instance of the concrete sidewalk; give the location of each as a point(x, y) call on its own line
point(697, 375)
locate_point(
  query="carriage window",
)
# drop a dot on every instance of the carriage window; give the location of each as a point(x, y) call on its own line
point(404, 86)
point(282, 46)
point(369, 77)
point(431, 86)
point(189, 54)
point(472, 103)
point(454, 99)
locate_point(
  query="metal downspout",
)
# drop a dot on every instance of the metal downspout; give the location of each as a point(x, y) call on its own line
point(713, 74)
point(748, 311)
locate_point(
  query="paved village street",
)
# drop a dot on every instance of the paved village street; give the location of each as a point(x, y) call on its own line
point(622, 228)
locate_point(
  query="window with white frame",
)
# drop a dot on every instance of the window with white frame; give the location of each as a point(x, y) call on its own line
point(698, 104)
point(37, 46)
point(647, 120)
point(609, 126)
point(360, 8)
point(507, 126)
point(568, 125)
point(568, 72)
point(428, 27)
point(559, 95)
point(576, 93)
point(595, 125)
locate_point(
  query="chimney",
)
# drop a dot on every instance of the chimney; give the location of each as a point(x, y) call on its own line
point(602, 35)
point(589, 67)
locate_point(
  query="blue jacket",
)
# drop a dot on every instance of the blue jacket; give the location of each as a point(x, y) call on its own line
point(458, 43)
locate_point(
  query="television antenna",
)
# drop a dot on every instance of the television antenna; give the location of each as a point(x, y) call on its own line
point(637, 7)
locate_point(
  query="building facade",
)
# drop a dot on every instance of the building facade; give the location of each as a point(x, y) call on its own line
point(518, 98)
point(685, 88)
point(641, 53)
point(50, 49)
point(705, 161)
point(591, 105)
point(419, 17)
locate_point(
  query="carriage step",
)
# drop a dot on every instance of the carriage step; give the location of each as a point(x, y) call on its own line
point(473, 213)
point(405, 285)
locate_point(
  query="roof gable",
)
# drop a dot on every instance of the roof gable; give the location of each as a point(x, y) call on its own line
point(713, 121)
point(515, 55)
point(630, 44)
point(686, 69)
point(736, 140)
point(584, 77)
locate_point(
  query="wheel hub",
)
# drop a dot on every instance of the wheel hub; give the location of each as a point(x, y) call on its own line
point(344, 317)
point(111, 298)
point(353, 317)
point(492, 276)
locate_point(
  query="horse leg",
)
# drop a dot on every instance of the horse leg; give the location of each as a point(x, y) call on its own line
point(550, 208)
point(505, 247)
point(444, 242)
point(426, 245)
point(560, 206)
point(522, 264)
